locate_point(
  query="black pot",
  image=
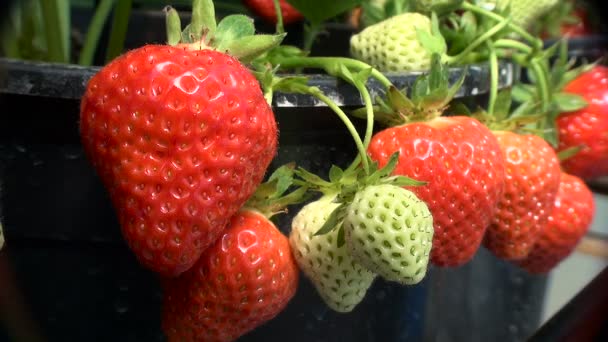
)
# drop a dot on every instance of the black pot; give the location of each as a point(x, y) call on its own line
point(74, 279)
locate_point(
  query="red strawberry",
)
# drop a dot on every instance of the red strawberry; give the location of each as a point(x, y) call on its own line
point(462, 163)
point(594, 79)
point(265, 10)
point(587, 127)
point(180, 139)
point(532, 178)
point(567, 224)
point(245, 279)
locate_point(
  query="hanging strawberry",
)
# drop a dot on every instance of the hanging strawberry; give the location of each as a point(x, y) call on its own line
point(180, 135)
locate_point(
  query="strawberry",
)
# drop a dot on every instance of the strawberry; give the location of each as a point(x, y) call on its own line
point(568, 222)
point(339, 279)
point(462, 163)
point(524, 13)
point(458, 157)
point(180, 138)
point(244, 280)
point(265, 10)
point(532, 178)
point(394, 44)
point(587, 127)
point(390, 231)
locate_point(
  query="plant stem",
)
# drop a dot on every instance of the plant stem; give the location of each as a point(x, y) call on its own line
point(311, 32)
point(316, 92)
point(94, 32)
point(327, 63)
point(478, 41)
point(512, 44)
point(120, 24)
point(541, 82)
point(52, 23)
point(493, 79)
point(537, 43)
point(277, 9)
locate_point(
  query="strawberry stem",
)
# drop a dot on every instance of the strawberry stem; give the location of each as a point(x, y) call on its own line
point(478, 41)
point(512, 44)
point(493, 79)
point(330, 65)
point(316, 92)
point(277, 9)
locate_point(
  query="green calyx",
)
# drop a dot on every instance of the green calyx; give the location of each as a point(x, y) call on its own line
point(233, 35)
point(344, 185)
point(279, 191)
point(544, 96)
point(430, 95)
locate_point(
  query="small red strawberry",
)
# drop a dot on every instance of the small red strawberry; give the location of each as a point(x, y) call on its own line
point(180, 137)
point(532, 176)
point(587, 127)
point(568, 222)
point(265, 10)
point(246, 278)
point(458, 157)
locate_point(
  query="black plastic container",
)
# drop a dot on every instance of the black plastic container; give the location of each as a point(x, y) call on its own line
point(70, 277)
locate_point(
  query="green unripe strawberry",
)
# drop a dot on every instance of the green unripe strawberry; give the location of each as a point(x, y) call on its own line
point(390, 230)
point(340, 281)
point(525, 12)
point(394, 45)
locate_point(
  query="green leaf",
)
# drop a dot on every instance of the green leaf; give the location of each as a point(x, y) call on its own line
point(390, 166)
point(283, 177)
point(335, 174)
point(569, 152)
point(502, 106)
point(248, 48)
point(318, 11)
point(523, 92)
point(231, 28)
point(567, 102)
point(312, 178)
point(335, 218)
point(403, 181)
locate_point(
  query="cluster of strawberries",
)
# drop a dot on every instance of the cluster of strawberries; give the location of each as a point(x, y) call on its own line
point(182, 136)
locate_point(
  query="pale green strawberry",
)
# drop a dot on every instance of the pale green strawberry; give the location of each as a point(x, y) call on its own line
point(525, 12)
point(340, 281)
point(394, 45)
point(390, 230)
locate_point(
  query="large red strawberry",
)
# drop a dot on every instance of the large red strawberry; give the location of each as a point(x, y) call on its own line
point(180, 137)
point(588, 127)
point(568, 222)
point(265, 10)
point(244, 280)
point(457, 156)
point(461, 161)
point(532, 176)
